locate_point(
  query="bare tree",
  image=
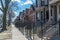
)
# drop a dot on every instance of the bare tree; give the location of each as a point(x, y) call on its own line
point(4, 10)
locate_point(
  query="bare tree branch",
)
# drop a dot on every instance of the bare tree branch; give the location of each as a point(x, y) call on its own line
point(1, 9)
point(2, 4)
point(7, 3)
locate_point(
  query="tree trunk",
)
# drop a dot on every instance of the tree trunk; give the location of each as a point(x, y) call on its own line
point(9, 21)
point(4, 20)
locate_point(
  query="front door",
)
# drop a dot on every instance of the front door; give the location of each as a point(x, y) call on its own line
point(55, 13)
point(47, 15)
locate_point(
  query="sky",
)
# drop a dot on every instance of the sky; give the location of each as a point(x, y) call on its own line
point(22, 5)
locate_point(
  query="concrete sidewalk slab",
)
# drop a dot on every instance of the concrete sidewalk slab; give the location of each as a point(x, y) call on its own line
point(16, 34)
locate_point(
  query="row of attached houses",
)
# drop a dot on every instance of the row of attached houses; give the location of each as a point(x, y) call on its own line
point(48, 13)
point(31, 17)
point(29, 12)
point(47, 17)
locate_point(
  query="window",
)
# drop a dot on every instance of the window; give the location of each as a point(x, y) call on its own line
point(42, 2)
point(36, 3)
point(51, 12)
point(46, 2)
point(38, 16)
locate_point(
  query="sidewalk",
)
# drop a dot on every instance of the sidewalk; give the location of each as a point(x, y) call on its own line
point(16, 34)
point(6, 34)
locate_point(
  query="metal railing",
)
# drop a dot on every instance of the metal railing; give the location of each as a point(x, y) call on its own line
point(48, 27)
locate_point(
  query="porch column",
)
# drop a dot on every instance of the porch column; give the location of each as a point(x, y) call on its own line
point(44, 15)
point(49, 12)
point(58, 14)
